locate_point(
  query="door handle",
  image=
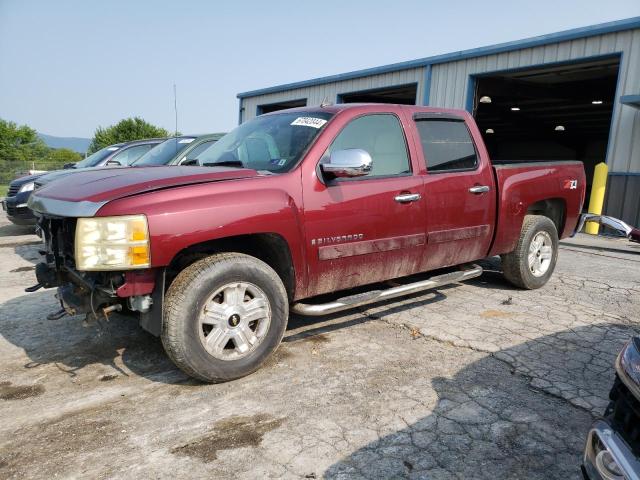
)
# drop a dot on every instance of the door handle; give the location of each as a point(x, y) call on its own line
point(479, 189)
point(407, 197)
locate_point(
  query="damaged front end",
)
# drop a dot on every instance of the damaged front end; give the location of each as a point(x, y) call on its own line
point(615, 224)
point(94, 294)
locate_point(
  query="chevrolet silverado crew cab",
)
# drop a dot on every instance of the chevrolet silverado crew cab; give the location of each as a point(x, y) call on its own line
point(292, 205)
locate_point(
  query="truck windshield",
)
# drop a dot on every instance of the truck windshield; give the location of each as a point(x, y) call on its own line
point(272, 143)
point(95, 158)
point(164, 152)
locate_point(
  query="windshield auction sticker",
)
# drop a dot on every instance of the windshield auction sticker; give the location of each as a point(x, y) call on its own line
point(309, 122)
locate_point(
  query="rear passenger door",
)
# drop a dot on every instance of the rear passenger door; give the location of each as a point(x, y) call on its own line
point(459, 190)
point(371, 228)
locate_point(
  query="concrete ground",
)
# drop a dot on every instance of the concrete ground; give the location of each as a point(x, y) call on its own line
point(475, 380)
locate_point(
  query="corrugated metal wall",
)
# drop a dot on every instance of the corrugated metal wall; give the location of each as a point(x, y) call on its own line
point(622, 198)
point(449, 83)
point(315, 95)
point(450, 88)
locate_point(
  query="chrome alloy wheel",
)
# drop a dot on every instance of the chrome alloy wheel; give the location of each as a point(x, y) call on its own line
point(234, 321)
point(540, 254)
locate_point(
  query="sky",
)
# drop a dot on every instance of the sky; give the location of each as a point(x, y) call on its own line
point(67, 67)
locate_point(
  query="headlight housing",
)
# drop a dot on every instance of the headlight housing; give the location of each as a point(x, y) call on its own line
point(112, 243)
point(628, 365)
point(27, 187)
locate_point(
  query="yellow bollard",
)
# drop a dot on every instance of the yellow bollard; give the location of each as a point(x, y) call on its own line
point(596, 200)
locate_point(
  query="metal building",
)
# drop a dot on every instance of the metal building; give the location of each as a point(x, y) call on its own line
point(567, 95)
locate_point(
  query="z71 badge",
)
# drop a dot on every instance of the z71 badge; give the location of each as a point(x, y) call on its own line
point(570, 184)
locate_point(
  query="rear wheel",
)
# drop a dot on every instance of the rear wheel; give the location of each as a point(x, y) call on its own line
point(224, 315)
point(533, 261)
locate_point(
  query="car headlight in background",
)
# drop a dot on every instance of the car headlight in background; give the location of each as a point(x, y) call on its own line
point(27, 187)
point(628, 365)
point(112, 243)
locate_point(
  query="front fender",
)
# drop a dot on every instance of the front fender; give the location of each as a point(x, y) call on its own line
point(185, 216)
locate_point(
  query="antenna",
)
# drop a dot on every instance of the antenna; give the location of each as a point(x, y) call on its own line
point(175, 107)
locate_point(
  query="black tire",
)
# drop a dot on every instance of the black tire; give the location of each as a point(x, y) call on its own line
point(515, 265)
point(185, 299)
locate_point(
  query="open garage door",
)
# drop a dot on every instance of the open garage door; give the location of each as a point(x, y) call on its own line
point(402, 94)
point(274, 107)
point(561, 112)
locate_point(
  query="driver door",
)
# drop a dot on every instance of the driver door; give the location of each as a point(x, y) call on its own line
point(366, 229)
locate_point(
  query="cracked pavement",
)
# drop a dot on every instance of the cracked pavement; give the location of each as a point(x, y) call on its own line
point(473, 380)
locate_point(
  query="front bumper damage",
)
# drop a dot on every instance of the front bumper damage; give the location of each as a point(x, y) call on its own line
point(95, 294)
point(612, 451)
point(631, 233)
point(607, 456)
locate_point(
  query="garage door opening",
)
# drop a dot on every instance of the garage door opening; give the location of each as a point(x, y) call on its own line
point(561, 112)
point(274, 107)
point(402, 94)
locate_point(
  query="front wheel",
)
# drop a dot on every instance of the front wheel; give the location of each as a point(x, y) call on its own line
point(532, 263)
point(224, 315)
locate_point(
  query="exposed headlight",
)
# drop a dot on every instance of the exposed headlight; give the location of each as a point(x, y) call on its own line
point(27, 187)
point(628, 365)
point(602, 459)
point(112, 243)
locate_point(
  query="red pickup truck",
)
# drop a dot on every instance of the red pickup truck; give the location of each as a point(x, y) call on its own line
point(289, 206)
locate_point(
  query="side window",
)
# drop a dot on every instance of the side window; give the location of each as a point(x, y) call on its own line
point(130, 155)
point(447, 145)
point(192, 156)
point(382, 137)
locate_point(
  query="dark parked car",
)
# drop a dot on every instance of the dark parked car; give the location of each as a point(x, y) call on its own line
point(612, 451)
point(15, 204)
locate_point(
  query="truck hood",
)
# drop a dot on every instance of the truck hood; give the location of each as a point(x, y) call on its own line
point(103, 185)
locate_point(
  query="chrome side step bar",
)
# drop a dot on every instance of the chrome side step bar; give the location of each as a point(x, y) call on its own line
point(359, 299)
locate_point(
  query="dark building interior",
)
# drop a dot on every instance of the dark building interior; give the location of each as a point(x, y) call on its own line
point(561, 112)
point(274, 107)
point(403, 94)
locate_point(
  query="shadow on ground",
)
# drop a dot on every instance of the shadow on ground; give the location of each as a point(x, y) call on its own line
point(492, 276)
point(301, 328)
point(72, 346)
point(489, 422)
point(11, 230)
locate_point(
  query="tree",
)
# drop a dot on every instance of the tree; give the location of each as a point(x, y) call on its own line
point(21, 150)
point(61, 156)
point(20, 146)
point(19, 142)
point(125, 131)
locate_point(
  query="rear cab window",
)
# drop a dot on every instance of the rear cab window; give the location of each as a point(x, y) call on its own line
point(447, 145)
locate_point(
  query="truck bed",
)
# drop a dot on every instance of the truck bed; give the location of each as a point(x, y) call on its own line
point(524, 187)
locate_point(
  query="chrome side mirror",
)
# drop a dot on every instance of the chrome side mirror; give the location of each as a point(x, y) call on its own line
point(352, 162)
